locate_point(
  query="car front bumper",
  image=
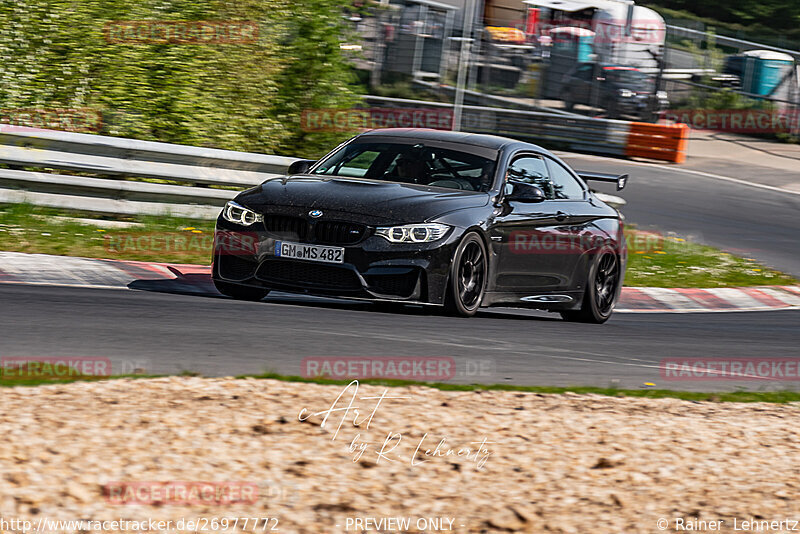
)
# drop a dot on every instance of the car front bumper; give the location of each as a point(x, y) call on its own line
point(373, 269)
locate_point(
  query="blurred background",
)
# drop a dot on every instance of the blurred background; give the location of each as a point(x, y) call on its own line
point(600, 58)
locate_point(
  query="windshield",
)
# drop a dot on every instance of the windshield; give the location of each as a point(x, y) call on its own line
point(413, 164)
point(630, 78)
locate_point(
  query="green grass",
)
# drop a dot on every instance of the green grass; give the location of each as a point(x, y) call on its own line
point(698, 396)
point(665, 261)
point(778, 397)
point(25, 228)
point(47, 380)
point(653, 260)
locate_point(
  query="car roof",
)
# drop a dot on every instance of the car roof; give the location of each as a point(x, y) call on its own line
point(483, 140)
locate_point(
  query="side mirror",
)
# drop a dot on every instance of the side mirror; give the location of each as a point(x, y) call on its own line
point(523, 192)
point(300, 166)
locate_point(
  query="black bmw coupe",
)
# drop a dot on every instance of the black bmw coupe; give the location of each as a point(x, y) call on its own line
point(428, 217)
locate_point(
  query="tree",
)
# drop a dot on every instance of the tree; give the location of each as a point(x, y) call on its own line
point(56, 54)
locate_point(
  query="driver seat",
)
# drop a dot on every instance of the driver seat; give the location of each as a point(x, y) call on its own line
point(416, 169)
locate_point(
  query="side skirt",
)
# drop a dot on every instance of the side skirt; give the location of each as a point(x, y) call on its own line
point(540, 300)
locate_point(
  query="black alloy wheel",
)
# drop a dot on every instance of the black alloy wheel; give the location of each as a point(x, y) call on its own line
point(467, 276)
point(602, 288)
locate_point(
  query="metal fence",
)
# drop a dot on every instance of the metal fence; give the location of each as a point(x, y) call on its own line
point(109, 175)
point(170, 179)
point(417, 48)
point(565, 131)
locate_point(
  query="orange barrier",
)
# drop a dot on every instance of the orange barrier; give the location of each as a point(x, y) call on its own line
point(658, 141)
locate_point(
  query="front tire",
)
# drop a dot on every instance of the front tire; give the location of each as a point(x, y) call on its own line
point(467, 281)
point(602, 289)
point(238, 292)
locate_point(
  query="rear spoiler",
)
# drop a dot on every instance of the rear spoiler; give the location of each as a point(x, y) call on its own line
point(619, 179)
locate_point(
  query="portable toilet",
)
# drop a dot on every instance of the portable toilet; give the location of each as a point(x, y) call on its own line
point(573, 41)
point(761, 71)
point(569, 45)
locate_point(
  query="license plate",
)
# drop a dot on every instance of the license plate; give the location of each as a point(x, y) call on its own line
point(299, 251)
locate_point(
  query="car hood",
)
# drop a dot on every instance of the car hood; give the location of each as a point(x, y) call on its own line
point(356, 199)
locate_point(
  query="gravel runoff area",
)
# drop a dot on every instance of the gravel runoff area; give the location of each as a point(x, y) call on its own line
point(148, 450)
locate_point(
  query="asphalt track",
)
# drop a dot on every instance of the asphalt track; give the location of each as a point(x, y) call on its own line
point(170, 333)
point(749, 221)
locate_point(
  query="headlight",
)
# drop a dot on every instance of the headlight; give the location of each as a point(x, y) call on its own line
point(413, 233)
point(626, 93)
point(238, 214)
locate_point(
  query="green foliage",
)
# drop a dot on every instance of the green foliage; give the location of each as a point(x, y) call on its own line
point(724, 99)
point(316, 75)
point(404, 89)
point(235, 96)
point(710, 56)
point(787, 138)
point(775, 22)
point(776, 13)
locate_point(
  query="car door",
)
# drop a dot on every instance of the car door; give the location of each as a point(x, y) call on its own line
point(571, 196)
point(530, 240)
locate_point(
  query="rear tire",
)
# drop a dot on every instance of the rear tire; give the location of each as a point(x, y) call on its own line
point(602, 289)
point(467, 281)
point(238, 292)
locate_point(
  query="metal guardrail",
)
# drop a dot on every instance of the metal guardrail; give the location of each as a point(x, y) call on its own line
point(134, 149)
point(485, 99)
point(191, 169)
point(200, 180)
point(572, 132)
